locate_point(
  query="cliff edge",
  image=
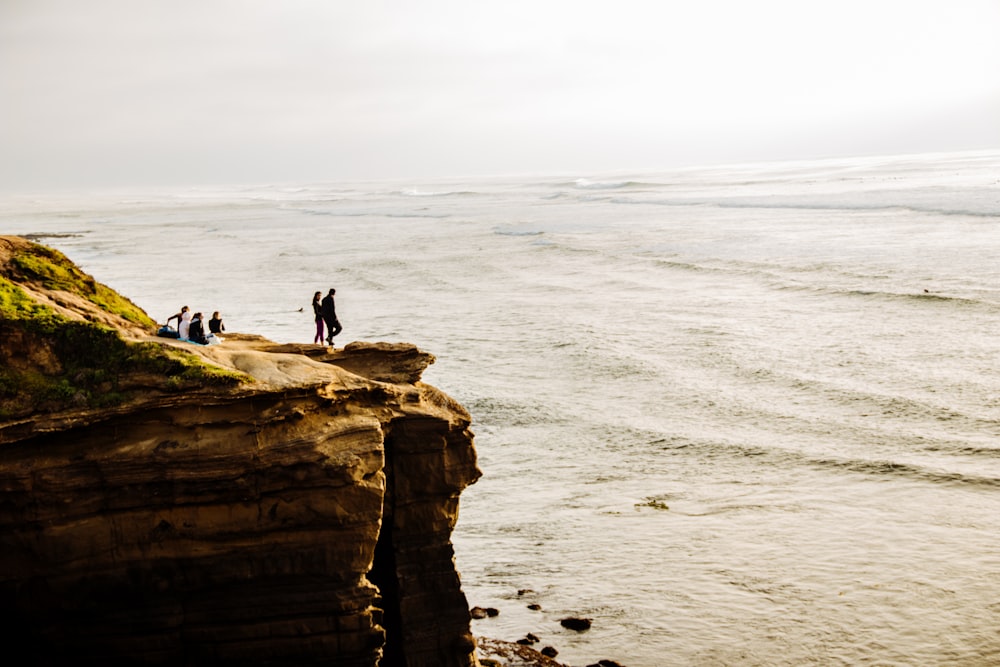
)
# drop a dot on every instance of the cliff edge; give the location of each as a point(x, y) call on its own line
point(164, 503)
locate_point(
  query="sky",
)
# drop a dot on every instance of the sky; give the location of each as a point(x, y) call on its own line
point(187, 92)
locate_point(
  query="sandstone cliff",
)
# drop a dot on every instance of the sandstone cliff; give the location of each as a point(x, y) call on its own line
point(163, 503)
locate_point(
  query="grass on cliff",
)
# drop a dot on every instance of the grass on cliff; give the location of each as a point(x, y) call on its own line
point(53, 270)
point(16, 305)
point(86, 364)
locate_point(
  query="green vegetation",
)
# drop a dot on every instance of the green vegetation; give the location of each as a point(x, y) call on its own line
point(98, 368)
point(183, 368)
point(15, 304)
point(54, 271)
point(49, 362)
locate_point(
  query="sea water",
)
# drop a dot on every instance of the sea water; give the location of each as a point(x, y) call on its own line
point(745, 415)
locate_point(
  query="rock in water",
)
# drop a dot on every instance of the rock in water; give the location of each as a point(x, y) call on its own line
point(578, 624)
point(163, 503)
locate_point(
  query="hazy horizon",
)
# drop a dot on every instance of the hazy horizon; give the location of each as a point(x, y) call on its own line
point(112, 93)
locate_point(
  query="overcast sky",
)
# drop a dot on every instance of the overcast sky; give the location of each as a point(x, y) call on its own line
point(150, 92)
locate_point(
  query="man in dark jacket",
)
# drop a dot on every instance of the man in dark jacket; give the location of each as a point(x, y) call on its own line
point(329, 310)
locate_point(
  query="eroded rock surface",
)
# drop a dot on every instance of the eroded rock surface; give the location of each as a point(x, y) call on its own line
point(299, 514)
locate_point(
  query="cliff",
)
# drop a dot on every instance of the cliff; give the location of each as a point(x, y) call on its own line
point(163, 503)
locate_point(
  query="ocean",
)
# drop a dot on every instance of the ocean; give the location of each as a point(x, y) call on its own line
point(739, 415)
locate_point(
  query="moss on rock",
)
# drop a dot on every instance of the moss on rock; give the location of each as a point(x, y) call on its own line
point(54, 271)
point(16, 305)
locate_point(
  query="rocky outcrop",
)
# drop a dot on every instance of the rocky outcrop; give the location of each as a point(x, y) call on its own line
point(277, 505)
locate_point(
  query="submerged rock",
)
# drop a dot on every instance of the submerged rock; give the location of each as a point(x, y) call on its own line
point(578, 624)
point(481, 612)
point(164, 503)
point(512, 654)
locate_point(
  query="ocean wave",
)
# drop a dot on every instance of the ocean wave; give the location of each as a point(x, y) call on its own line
point(886, 469)
point(499, 231)
point(879, 407)
point(416, 192)
point(893, 469)
point(41, 236)
point(923, 297)
point(988, 212)
point(964, 450)
point(723, 268)
point(790, 278)
point(279, 200)
point(587, 184)
point(513, 412)
point(432, 216)
point(334, 214)
point(370, 214)
point(933, 210)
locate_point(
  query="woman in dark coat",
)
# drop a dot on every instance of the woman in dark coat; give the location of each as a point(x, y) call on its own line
point(318, 311)
point(196, 334)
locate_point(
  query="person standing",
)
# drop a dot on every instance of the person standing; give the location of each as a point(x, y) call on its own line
point(318, 313)
point(329, 310)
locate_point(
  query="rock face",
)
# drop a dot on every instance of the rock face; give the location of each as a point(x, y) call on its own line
point(297, 513)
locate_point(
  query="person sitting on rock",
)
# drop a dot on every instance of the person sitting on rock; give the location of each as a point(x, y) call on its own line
point(215, 324)
point(183, 322)
point(196, 331)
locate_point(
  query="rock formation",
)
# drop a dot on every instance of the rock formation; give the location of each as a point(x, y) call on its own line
point(163, 503)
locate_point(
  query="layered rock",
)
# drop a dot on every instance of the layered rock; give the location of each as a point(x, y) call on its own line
point(288, 506)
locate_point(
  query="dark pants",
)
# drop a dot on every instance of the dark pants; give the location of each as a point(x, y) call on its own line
point(334, 328)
